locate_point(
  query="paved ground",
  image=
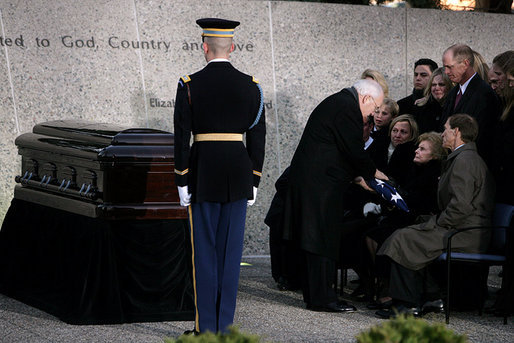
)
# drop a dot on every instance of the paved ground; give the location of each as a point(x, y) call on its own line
point(262, 309)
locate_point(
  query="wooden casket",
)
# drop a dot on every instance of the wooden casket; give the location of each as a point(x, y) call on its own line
point(99, 170)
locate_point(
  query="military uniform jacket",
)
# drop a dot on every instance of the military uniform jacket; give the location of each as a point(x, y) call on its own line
point(219, 99)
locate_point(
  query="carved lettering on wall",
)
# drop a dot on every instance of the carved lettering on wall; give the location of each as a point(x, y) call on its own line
point(114, 42)
point(157, 102)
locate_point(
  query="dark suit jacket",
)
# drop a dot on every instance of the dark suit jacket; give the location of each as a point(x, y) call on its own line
point(329, 156)
point(504, 160)
point(427, 116)
point(218, 99)
point(480, 102)
point(406, 104)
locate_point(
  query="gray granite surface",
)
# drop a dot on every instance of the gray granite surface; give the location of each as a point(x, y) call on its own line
point(114, 61)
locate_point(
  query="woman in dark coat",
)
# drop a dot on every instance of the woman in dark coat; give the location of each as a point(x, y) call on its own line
point(395, 157)
point(427, 110)
point(503, 171)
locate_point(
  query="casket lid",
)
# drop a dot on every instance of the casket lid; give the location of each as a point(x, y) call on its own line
point(102, 134)
point(99, 141)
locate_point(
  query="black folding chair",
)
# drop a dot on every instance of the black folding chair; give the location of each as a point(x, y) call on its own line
point(496, 254)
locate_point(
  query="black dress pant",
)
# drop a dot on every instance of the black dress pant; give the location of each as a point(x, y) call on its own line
point(413, 287)
point(319, 280)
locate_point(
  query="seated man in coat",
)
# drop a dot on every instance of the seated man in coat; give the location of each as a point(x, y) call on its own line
point(465, 196)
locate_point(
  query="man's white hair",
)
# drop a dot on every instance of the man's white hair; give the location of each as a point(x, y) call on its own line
point(368, 87)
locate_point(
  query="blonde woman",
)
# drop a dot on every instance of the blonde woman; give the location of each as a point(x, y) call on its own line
point(376, 76)
point(427, 110)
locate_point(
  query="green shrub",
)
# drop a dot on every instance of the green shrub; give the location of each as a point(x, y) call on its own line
point(410, 330)
point(234, 336)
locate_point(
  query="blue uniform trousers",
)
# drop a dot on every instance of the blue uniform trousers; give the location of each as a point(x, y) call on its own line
point(217, 232)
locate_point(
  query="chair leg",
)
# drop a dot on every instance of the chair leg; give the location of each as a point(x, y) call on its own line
point(480, 291)
point(447, 308)
point(336, 280)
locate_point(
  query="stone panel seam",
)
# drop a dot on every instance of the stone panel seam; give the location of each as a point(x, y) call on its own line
point(277, 131)
point(406, 53)
point(10, 76)
point(141, 63)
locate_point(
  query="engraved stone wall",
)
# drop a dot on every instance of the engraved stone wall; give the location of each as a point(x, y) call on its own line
point(119, 62)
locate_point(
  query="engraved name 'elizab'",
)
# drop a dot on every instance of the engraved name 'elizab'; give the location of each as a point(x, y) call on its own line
point(156, 102)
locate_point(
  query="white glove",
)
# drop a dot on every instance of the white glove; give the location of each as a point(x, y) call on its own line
point(184, 195)
point(252, 201)
point(371, 208)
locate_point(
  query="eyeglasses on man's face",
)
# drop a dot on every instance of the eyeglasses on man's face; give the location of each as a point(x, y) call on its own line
point(377, 108)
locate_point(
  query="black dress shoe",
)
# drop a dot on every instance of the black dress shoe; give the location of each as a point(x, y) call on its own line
point(395, 311)
point(340, 306)
point(376, 305)
point(436, 306)
point(191, 332)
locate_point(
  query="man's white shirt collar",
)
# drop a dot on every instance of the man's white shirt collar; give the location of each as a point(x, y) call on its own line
point(218, 60)
point(368, 143)
point(465, 85)
point(460, 146)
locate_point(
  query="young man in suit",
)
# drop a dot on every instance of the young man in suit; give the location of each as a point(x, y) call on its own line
point(423, 69)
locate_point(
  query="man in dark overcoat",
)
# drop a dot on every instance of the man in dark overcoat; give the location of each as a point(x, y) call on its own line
point(328, 158)
point(472, 96)
point(218, 176)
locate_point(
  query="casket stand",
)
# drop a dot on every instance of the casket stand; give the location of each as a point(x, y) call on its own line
point(95, 234)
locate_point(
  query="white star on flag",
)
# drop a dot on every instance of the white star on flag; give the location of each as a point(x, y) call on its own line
point(395, 197)
point(380, 183)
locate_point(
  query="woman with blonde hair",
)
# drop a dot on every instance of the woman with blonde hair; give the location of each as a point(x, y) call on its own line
point(481, 67)
point(503, 169)
point(395, 156)
point(378, 77)
point(428, 110)
point(503, 166)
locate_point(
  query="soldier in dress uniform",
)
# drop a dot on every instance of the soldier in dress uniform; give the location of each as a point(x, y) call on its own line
point(218, 175)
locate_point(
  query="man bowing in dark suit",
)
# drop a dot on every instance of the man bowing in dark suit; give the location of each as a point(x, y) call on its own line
point(471, 95)
point(217, 177)
point(328, 158)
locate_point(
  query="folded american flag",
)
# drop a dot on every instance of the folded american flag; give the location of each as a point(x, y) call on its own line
point(388, 192)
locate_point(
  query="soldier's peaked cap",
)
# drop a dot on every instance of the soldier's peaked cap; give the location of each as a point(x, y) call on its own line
point(214, 27)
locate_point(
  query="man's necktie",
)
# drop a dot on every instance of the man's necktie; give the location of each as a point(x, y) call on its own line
point(457, 99)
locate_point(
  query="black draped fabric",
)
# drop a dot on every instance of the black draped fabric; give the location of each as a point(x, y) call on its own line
point(407, 104)
point(93, 271)
point(427, 116)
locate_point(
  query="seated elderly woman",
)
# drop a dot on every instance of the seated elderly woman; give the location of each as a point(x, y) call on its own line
point(419, 192)
point(466, 198)
point(427, 110)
